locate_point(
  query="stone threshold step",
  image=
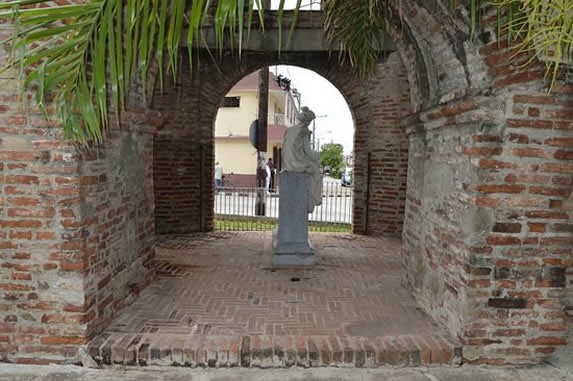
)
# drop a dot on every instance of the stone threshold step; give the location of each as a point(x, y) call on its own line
point(274, 351)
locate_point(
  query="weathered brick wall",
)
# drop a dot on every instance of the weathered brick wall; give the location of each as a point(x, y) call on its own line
point(41, 289)
point(182, 161)
point(441, 64)
point(440, 221)
point(487, 239)
point(178, 171)
point(116, 213)
point(539, 136)
point(527, 178)
point(184, 145)
point(37, 283)
point(381, 152)
point(568, 299)
point(77, 234)
point(76, 229)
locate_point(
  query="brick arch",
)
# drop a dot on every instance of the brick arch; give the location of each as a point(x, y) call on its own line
point(435, 45)
point(362, 98)
point(437, 61)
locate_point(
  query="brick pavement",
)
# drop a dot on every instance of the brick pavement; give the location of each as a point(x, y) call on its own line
point(217, 301)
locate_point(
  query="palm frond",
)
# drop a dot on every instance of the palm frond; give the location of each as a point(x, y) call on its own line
point(357, 28)
point(543, 29)
point(85, 56)
point(55, 52)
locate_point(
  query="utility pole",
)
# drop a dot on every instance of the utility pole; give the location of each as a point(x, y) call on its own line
point(260, 203)
point(314, 135)
point(314, 138)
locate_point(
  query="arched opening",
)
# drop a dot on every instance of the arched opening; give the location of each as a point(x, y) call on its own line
point(332, 135)
point(378, 202)
point(351, 271)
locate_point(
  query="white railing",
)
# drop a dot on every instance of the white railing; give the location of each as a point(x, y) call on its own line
point(236, 203)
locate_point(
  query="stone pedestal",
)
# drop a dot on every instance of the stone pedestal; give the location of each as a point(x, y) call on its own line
point(291, 246)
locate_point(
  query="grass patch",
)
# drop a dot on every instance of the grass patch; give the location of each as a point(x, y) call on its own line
point(265, 224)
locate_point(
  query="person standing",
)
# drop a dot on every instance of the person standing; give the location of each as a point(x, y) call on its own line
point(271, 166)
point(267, 178)
point(218, 177)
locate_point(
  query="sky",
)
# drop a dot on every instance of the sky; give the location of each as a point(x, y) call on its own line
point(334, 121)
point(305, 4)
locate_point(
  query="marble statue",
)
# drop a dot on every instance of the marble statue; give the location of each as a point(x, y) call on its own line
point(298, 156)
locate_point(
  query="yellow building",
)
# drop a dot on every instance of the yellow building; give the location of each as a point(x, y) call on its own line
point(238, 110)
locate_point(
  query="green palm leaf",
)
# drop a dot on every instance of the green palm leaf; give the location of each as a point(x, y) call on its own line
point(359, 46)
point(57, 51)
point(86, 55)
point(543, 28)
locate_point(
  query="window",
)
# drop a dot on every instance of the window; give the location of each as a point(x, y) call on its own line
point(231, 102)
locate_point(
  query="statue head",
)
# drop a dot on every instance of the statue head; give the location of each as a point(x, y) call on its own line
point(306, 115)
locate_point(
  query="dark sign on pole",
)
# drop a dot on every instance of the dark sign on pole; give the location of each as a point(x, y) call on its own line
point(254, 133)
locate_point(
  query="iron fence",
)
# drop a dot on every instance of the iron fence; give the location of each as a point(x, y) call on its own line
point(235, 209)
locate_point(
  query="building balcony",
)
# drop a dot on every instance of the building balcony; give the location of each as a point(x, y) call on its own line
point(277, 119)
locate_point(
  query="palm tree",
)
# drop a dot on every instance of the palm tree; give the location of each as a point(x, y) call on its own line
point(82, 54)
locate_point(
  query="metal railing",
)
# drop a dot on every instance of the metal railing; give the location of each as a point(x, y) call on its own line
point(235, 209)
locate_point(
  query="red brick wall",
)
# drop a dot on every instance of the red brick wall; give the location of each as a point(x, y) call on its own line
point(568, 300)
point(41, 286)
point(183, 159)
point(38, 183)
point(76, 229)
point(77, 235)
point(116, 210)
point(381, 152)
point(183, 181)
point(529, 180)
point(487, 237)
point(440, 221)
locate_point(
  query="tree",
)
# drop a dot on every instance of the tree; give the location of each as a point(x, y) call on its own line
point(84, 56)
point(332, 156)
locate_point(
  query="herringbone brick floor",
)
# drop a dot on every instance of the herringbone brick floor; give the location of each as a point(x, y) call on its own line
point(217, 301)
